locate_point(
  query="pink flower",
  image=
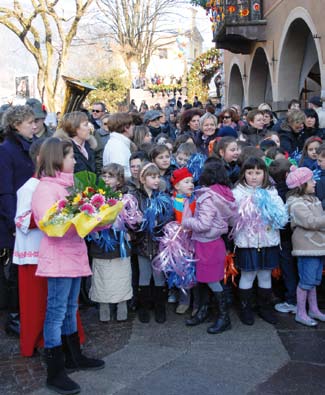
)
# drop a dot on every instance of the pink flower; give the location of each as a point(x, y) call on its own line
point(111, 202)
point(89, 208)
point(97, 200)
point(61, 204)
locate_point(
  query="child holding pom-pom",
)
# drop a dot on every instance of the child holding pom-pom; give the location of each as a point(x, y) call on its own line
point(157, 210)
point(184, 202)
point(215, 211)
point(261, 214)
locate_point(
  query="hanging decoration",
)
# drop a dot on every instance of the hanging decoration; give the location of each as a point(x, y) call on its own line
point(231, 11)
point(203, 69)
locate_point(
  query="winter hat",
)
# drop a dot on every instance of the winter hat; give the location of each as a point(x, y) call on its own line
point(227, 131)
point(37, 107)
point(266, 144)
point(316, 101)
point(298, 176)
point(179, 175)
point(151, 116)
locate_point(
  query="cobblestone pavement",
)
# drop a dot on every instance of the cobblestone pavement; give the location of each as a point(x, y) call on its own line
point(302, 373)
point(20, 375)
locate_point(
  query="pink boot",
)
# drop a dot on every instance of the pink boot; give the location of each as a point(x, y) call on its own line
point(313, 306)
point(301, 315)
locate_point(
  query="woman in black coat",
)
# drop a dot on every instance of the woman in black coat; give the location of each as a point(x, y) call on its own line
point(16, 168)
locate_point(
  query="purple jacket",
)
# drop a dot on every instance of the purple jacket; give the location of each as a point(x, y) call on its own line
point(215, 211)
point(58, 256)
point(16, 168)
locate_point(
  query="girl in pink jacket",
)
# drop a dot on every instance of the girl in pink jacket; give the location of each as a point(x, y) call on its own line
point(63, 261)
point(215, 211)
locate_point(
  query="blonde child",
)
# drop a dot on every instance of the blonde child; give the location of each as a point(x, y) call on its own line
point(157, 210)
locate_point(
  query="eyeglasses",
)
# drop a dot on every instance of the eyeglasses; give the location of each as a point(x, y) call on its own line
point(96, 110)
point(226, 117)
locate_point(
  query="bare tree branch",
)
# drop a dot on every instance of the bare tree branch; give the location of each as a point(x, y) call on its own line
point(49, 41)
point(133, 26)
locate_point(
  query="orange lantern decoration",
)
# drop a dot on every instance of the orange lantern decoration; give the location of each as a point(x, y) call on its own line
point(244, 12)
point(231, 9)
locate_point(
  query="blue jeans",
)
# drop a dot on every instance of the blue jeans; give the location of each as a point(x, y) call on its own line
point(310, 271)
point(61, 310)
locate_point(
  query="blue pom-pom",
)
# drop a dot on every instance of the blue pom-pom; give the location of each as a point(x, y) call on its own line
point(272, 213)
point(195, 165)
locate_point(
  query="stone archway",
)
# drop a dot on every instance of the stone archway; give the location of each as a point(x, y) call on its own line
point(260, 87)
point(299, 72)
point(236, 88)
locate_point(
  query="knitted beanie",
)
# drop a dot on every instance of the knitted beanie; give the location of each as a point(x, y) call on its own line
point(227, 131)
point(298, 176)
point(179, 175)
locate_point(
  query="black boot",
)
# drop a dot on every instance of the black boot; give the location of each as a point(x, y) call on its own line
point(144, 303)
point(12, 326)
point(246, 314)
point(74, 359)
point(160, 299)
point(223, 321)
point(202, 314)
point(265, 308)
point(57, 379)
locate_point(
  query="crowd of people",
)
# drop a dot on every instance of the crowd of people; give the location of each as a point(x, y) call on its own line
point(245, 188)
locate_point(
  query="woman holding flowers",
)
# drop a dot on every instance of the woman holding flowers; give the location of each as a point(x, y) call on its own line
point(63, 260)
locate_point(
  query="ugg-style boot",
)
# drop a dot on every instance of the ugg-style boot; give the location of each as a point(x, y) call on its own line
point(246, 314)
point(144, 300)
point(223, 321)
point(314, 311)
point(160, 300)
point(57, 378)
point(74, 359)
point(265, 308)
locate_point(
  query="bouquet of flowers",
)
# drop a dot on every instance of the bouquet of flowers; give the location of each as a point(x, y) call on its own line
point(88, 205)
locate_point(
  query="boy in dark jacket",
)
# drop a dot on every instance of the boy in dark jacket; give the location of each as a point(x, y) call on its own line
point(279, 169)
point(320, 183)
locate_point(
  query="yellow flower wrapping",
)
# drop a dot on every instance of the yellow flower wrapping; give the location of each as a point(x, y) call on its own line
point(85, 223)
point(53, 229)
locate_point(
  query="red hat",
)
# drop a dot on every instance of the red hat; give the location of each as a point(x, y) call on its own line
point(179, 175)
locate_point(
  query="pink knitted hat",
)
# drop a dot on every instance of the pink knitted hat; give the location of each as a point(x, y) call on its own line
point(298, 176)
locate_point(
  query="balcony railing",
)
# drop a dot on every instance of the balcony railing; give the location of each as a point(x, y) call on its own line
point(236, 23)
point(235, 11)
